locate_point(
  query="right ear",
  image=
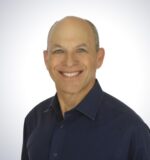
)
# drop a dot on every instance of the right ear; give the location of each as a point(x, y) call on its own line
point(46, 57)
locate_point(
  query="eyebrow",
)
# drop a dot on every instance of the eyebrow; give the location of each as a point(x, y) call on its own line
point(78, 46)
point(57, 45)
point(81, 45)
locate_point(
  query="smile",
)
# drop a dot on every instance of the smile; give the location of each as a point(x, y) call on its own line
point(71, 74)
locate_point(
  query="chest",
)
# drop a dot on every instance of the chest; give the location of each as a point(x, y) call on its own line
point(76, 139)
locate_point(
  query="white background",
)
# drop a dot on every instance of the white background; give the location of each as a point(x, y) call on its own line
point(124, 28)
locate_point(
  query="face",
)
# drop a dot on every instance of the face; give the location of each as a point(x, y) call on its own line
point(71, 58)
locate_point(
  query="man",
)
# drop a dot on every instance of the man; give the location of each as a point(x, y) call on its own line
point(81, 122)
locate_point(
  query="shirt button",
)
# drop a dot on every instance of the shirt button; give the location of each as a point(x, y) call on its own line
point(55, 154)
point(62, 126)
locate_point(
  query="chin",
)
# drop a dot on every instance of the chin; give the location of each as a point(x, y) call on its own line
point(72, 90)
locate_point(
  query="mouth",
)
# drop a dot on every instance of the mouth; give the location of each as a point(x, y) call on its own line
point(70, 74)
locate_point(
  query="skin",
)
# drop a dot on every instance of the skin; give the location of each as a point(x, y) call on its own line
point(72, 60)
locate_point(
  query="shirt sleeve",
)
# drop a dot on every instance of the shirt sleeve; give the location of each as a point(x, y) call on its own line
point(140, 144)
point(24, 154)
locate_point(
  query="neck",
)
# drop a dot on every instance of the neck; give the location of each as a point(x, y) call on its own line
point(70, 100)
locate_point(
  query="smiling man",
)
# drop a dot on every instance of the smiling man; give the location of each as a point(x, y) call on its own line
point(81, 122)
point(72, 59)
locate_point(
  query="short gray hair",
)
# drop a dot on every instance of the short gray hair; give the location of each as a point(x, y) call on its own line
point(94, 29)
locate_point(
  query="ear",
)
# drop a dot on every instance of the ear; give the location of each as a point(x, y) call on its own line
point(100, 57)
point(45, 55)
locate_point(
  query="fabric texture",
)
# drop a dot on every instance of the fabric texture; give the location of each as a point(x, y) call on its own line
point(100, 127)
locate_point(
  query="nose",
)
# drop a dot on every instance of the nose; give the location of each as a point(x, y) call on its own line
point(70, 59)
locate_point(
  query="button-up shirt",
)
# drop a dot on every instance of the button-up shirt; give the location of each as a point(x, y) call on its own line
point(100, 127)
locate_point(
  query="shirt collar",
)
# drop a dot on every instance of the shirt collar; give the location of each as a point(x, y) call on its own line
point(88, 106)
point(55, 106)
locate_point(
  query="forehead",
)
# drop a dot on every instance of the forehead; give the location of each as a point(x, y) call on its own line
point(70, 29)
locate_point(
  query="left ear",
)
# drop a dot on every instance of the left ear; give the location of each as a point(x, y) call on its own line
point(100, 57)
point(45, 55)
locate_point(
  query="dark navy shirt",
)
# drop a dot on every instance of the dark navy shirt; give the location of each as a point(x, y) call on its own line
point(99, 128)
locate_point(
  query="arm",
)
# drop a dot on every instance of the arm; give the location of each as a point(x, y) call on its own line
point(140, 144)
point(24, 154)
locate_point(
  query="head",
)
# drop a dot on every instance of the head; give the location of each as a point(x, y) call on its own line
point(73, 55)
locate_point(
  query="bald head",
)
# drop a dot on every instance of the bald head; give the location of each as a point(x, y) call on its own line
point(71, 23)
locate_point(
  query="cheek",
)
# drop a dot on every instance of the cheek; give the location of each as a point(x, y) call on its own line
point(53, 66)
point(50, 65)
point(90, 63)
point(52, 62)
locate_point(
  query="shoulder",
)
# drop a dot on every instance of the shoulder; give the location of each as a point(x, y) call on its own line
point(123, 126)
point(120, 113)
point(38, 110)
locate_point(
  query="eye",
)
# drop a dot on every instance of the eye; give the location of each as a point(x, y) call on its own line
point(58, 51)
point(81, 50)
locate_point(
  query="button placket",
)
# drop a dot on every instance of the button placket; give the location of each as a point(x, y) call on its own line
point(61, 126)
point(55, 154)
point(57, 141)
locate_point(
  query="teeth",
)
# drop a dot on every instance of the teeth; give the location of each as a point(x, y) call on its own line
point(71, 74)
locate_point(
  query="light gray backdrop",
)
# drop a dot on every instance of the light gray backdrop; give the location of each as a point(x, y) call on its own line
point(124, 28)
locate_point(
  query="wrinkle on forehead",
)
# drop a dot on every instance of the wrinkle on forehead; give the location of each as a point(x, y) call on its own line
point(69, 25)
